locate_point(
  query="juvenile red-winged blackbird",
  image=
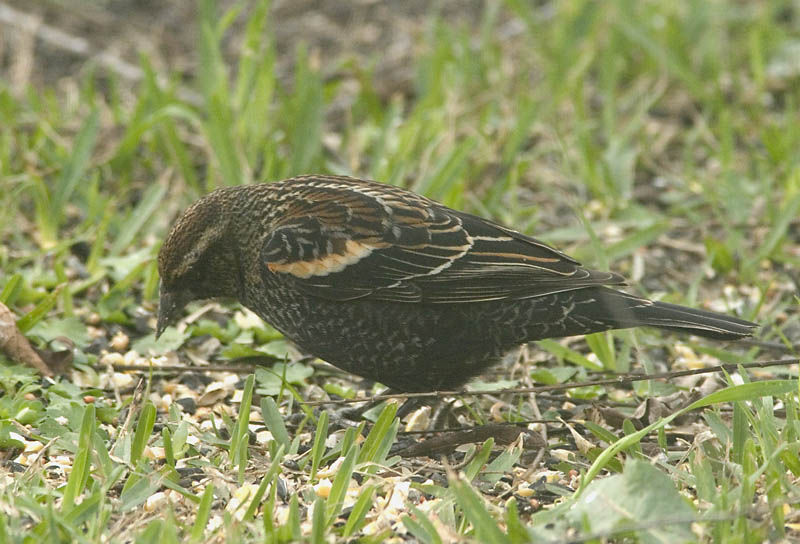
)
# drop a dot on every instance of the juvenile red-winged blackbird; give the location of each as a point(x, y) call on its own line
point(392, 286)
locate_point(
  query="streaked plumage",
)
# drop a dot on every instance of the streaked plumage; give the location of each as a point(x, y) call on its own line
point(392, 286)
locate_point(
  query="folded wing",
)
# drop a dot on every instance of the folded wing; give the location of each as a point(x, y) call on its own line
point(341, 241)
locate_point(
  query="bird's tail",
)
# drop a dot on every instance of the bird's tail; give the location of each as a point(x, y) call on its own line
point(630, 311)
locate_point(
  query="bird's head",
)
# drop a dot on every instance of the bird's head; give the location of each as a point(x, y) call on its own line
point(197, 260)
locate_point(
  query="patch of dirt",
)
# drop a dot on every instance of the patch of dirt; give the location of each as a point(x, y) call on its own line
point(43, 43)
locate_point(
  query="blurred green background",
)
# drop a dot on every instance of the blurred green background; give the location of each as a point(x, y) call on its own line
point(657, 139)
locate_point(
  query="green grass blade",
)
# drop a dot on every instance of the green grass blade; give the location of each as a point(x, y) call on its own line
point(144, 429)
point(241, 428)
point(517, 534)
point(318, 522)
point(476, 464)
point(27, 321)
point(485, 527)
point(421, 527)
point(219, 129)
point(305, 114)
point(340, 484)
point(72, 173)
point(269, 478)
point(251, 58)
point(602, 345)
point(274, 421)
point(552, 346)
point(152, 199)
point(744, 392)
point(203, 513)
point(318, 448)
point(359, 512)
point(11, 289)
point(80, 466)
point(380, 437)
point(169, 452)
point(788, 213)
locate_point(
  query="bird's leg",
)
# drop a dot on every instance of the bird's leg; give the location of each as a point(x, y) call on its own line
point(412, 404)
point(408, 406)
point(355, 414)
point(442, 411)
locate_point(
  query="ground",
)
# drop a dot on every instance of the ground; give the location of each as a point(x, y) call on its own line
point(654, 139)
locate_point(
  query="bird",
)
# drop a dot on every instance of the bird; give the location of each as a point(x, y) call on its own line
point(392, 286)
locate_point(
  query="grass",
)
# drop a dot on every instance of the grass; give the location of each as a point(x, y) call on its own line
point(657, 139)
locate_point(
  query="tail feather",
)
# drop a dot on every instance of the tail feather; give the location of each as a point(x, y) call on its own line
point(630, 311)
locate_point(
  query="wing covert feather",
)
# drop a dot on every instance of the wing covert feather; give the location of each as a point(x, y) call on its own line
point(343, 240)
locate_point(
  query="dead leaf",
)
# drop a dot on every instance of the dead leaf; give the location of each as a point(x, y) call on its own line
point(610, 416)
point(584, 446)
point(14, 344)
point(214, 393)
point(58, 361)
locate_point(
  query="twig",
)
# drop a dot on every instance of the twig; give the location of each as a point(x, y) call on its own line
point(770, 346)
point(240, 368)
point(619, 380)
point(503, 434)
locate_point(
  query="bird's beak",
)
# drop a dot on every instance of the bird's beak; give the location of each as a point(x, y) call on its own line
point(170, 306)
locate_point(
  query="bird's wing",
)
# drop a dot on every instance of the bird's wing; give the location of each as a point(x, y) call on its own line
point(343, 242)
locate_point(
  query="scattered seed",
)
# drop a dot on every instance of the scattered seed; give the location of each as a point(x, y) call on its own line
point(112, 358)
point(154, 501)
point(323, 488)
point(120, 341)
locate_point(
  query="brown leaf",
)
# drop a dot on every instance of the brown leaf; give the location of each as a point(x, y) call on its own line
point(214, 393)
point(16, 346)
point(58, 361)
point(612, 417)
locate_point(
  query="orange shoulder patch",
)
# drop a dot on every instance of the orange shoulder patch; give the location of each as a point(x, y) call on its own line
point(335, 262)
